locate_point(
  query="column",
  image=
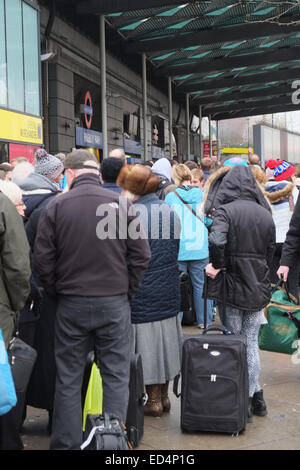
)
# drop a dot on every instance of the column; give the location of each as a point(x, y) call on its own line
point(144, 78)
point(187, 117)
point(103, 85)
point(170, 115)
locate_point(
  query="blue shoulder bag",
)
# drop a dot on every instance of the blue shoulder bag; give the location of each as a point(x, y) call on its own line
point(8, 398)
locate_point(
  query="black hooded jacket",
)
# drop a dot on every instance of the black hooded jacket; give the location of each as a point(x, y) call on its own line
point(242, 239)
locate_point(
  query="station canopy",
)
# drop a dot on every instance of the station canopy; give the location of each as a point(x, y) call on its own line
point(234, 59)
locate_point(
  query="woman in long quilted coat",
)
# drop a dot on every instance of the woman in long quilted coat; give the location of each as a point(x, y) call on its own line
point(156, 326)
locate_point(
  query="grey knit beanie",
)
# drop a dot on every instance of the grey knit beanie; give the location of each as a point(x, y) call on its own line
point(47, 165)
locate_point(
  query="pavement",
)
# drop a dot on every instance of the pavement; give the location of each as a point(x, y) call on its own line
point(279, 430)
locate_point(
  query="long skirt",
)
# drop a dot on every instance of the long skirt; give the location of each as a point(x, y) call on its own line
point(160, 345)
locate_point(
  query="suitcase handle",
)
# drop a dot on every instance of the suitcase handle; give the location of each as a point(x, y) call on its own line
point(217, 328)
point(175, 386)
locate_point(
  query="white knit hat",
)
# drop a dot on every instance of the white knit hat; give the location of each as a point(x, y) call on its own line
point(11, 190)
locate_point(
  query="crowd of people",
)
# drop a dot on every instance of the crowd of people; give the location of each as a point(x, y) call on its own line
point(91, 256)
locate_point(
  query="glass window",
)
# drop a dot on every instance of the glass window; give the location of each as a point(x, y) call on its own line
point(3, 87)
point(14, 38)
point(31, 59)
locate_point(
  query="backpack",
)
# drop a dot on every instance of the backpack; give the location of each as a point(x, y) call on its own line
point(162, 185)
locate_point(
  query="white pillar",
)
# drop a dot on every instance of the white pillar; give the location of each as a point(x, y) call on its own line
point(187, 117)
point(210, 140)
point(170, 116)
point(145, 106)
point(200, 132)
point(103, 85)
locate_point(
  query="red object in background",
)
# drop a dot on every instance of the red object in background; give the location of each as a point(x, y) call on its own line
point(18, 150)
point(206, 148)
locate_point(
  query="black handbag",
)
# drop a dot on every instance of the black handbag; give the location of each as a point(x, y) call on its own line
point(22, 358)
point(185, 291)
point(186, 300)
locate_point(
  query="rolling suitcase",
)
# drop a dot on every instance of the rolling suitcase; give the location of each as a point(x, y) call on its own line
point(214, 382)
point(137, 400)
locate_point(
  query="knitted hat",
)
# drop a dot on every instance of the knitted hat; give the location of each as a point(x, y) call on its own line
point(273, 163)
point(47, 165)
point(235, 161)
point(284, 171)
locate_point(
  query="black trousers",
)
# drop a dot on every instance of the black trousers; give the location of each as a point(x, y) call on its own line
point(10, 426)
point(106, 322)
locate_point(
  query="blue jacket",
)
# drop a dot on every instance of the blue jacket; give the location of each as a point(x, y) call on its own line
point(158, 297)
point(112, 187)
point(194, 234)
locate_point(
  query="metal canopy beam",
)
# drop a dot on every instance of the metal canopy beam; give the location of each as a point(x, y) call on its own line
point(104, 7)
point(214, 36)
point(256, 112)
point(238, 95)
point(220, 83)
point(261, 104)
point(282, 55)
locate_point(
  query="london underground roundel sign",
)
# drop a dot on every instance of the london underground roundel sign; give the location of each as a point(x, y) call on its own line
point(88, 110)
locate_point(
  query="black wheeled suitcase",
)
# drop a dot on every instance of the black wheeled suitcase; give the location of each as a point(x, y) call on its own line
point(214, 382)
point(137, 401)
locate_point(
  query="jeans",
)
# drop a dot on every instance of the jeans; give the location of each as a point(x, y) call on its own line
point(196, 272)
point(81, 324)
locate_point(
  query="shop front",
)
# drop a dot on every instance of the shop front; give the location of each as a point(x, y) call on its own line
point(20, 135)
point(20, 83)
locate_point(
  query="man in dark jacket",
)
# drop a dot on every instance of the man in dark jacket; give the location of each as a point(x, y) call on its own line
point(291, 246)
point(241, 242)
point(94, 278)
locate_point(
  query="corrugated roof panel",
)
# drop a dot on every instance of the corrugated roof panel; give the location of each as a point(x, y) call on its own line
point(180, 25)
point(172, 11)
point(233, 45)
point(133, 26)
point(265, 11)
point(198, 56)
point(218, 12)
point(163, 57)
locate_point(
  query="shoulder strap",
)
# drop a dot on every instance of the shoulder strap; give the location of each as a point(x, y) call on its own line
point(188, 206)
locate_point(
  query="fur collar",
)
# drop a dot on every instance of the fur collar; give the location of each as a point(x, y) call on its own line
point(281, 194)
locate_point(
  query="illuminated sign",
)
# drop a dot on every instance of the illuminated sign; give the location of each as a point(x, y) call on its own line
point(16, 127)
point(88, 110)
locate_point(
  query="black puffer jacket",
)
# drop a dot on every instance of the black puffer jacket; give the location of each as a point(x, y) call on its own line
point(242, 239)
point(291, 246)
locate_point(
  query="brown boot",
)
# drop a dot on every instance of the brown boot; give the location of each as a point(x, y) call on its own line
point(165, 398)
point(153, 406)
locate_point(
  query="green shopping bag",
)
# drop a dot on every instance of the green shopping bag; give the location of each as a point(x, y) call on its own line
point(94, 396)
point(281, 334)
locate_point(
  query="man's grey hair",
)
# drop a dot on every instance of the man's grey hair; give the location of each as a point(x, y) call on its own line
point(118, 153)
point(20, 172)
